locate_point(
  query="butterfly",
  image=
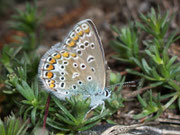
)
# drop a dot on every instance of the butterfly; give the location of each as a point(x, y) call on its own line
point(76, 66)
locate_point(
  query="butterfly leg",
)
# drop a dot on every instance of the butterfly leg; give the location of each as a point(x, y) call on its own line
point(103, 107)
point(92, 108)
point(95, 106)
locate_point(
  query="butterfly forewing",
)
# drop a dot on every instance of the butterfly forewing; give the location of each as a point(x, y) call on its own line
point(79, 59)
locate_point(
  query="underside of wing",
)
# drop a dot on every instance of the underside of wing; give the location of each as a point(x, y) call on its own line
point(78, 60)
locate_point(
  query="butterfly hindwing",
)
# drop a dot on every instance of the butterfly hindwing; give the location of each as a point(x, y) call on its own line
point(79, 59)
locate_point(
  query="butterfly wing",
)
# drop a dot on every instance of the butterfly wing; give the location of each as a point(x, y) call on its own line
point(78, 60)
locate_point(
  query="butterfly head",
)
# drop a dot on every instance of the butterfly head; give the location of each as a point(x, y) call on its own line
point(102, 94)
point(99, 98)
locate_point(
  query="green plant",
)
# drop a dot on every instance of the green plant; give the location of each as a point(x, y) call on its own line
point(20, 66)
point(21, 53)
point(13, 126)
point(157, 67)
point(72, 115)
point(150, 105)
point(27, 22)
point(116, 100)
point(126, 44)
point(33, 104)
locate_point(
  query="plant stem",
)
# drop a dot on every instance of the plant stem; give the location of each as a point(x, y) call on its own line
point(138, 91)
point(170, 102)
point(46, 113)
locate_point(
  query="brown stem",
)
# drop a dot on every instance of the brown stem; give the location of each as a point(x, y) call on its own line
point(136, 92)
point(46, 114)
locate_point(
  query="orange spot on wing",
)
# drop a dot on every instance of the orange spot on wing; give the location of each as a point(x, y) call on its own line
point(52, 81)
point(50, 67)
point(58, 56)
point(65, 54)
point(52, 61)
point(49, 75)
point(80, 33)
point(87, 30)
point(52, 85)
point(71, 44)
point(73, 55)
point(75, 38)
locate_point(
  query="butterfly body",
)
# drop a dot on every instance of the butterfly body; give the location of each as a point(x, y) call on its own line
point(76, 65)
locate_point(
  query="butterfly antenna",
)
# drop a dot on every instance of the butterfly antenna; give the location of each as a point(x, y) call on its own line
point(126, 84)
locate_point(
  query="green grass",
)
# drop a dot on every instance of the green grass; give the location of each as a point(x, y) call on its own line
point(157, 68)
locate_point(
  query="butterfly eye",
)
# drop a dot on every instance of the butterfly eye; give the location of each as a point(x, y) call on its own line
point(106, 93)
point(89, 78)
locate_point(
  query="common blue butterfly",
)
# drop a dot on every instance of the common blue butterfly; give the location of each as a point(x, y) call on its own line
point(76, 65)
